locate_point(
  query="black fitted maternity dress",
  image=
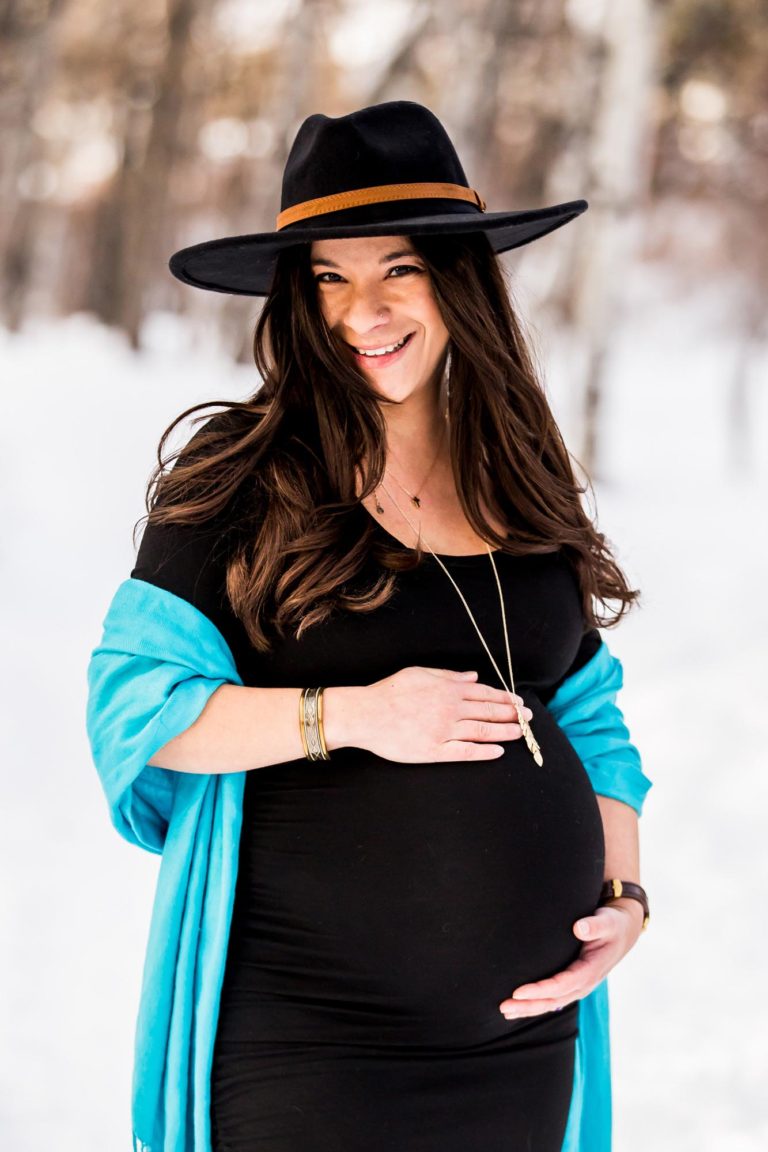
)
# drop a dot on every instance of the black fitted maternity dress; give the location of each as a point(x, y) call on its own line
point(383, 910)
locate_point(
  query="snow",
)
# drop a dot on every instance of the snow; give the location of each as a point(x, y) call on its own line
point(684, 508)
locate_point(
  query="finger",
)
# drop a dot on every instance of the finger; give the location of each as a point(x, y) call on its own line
point(595, 927)
point(537, 1007)
point(494, 712)
point(482, 730)
point(474, 691)
point(456, 750)
point(565, 983)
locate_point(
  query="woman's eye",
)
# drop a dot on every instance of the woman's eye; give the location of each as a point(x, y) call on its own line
point(404, 268)
point(397, 268)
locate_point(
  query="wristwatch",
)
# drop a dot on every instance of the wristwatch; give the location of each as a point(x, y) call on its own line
point(614, 889)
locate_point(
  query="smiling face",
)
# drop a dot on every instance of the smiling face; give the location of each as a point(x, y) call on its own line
point(375, 293)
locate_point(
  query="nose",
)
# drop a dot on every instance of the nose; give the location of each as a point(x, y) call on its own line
point(364, 310)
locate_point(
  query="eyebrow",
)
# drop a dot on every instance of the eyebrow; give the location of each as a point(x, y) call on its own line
point(384, 260)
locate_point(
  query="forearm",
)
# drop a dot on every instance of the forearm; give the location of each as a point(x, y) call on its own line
point(242, 728)
point(622, 841)
point(622, 846)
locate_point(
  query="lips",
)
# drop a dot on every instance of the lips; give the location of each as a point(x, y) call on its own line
point(393, 346)
point(382, 358)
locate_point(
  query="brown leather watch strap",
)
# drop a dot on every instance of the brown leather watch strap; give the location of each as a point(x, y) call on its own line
point(615, 889)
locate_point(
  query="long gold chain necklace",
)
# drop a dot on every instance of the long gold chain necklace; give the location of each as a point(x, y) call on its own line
point(525, 727)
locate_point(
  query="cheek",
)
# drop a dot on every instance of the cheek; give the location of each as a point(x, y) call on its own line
point(322, 304)
point(438, 333)
point(433, 320)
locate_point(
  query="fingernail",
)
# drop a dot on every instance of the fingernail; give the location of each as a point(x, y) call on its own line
point(583, 927)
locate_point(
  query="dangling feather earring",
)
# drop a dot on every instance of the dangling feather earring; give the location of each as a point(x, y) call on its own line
point(412, 496)
point(448, 382)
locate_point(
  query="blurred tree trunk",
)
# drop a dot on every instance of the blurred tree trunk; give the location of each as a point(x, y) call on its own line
point(130, 230)
point(27, 35)
point(747, 251)
point(478, 57)
point(617, 153)
point(500, 46)
point(253, 204)
point(749, 334)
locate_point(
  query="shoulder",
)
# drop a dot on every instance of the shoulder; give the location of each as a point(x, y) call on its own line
point(587, 648)
point(211, 435)
point(189, 557)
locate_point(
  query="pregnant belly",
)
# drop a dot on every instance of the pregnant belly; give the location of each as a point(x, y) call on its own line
point(400, 903)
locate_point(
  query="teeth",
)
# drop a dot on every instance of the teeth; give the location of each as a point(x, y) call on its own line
point(382, 351)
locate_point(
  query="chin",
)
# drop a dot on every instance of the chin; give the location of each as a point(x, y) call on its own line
point(387, 393)
point(395, 391)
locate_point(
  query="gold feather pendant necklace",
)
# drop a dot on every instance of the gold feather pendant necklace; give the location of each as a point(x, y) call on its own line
point(525, 727)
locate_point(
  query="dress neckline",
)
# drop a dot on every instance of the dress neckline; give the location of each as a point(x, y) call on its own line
point(466, 557)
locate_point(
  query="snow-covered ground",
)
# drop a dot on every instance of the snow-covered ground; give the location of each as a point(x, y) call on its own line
point(81, 417)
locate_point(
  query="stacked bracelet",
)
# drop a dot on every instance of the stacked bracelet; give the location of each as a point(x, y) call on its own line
point(311, 724)
point(616, 889)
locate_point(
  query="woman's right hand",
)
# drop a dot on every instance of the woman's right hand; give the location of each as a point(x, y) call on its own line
point(425, 715)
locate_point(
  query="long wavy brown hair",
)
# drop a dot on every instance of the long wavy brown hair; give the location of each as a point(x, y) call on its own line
point(277, 472)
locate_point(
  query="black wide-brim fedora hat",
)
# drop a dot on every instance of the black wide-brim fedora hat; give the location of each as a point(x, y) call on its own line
point(384, 170)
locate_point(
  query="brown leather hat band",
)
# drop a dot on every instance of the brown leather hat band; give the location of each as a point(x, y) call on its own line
point(377, 195)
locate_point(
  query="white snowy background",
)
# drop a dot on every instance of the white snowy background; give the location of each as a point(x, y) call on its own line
point(81, 417)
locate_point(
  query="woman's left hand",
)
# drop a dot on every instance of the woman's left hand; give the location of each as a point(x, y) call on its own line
point(608, 934)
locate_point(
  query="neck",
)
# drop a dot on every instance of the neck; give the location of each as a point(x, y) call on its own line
point(416, 429)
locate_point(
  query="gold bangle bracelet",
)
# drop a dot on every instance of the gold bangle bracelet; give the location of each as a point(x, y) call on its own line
point(313, 737)
point(302, 725)
point(320, 729)
point(310, 722)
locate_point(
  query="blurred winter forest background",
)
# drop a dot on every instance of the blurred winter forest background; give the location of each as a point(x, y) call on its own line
point(131, 130)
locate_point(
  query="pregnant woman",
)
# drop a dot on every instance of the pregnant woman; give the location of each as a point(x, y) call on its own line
point(355, 693)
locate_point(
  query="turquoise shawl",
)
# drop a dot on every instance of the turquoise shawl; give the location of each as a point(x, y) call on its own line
point(158, 662)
